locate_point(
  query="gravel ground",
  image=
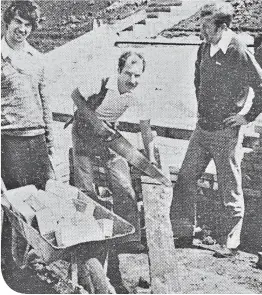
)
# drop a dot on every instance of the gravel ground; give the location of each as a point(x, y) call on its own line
point(199, 273)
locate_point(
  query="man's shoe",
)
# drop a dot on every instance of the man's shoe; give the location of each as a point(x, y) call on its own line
point(225, 253)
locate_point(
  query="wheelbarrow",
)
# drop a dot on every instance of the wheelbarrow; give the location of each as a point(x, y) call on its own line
point(88, 259)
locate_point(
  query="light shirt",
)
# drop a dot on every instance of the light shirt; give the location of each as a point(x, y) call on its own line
point(25, 100)
point(114, 104)
point(223, 43)
point(26, 59)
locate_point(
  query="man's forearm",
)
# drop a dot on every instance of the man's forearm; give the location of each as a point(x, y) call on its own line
point(47, 114)
point(255, 81)
point(99, 126)
point(148, 139)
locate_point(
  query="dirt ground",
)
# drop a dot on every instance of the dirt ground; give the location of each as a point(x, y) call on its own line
point(200, 272)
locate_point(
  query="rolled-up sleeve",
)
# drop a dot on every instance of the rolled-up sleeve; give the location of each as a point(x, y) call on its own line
point(255, 81)
point(47, 113)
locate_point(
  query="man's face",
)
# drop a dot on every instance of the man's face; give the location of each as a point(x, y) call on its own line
point(130, 76)
point(18, 29)
point(209, 31)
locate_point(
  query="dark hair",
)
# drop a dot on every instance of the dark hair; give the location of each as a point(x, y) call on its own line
point(27, 10)
point(123, 58)
point(222, 13)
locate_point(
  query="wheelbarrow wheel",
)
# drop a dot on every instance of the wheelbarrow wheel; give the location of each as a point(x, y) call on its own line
point(92, 277)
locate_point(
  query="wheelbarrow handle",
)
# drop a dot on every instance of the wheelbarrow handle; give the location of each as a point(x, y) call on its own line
point(4, 201)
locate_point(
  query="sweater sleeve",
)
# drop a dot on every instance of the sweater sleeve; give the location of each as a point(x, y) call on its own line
point(197, 69)
point(254, 76)
point(47, 113)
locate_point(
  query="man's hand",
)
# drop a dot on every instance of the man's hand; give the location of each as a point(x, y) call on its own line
point(235, 120)
point(51, 151)
point(105, 131)
point(152, 158)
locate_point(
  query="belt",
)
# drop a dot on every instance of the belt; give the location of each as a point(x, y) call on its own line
point(74, 117)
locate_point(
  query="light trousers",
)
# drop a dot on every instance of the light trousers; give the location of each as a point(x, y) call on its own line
point(124, 199)
point(225, 147)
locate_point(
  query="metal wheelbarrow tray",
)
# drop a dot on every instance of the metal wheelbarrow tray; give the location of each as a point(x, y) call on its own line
point(50, 252)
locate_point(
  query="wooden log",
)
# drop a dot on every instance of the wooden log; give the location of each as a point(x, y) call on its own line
point(162, 257)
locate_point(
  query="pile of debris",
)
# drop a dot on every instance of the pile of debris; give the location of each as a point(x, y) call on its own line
point(247, 18)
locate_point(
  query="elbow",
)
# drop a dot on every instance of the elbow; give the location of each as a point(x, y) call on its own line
point(74, 95)
point(77, 98)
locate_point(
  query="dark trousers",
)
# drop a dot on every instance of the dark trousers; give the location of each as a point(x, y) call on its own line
point(24, 161)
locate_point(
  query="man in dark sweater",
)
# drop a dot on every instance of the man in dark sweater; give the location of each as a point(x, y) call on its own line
point(225, 74)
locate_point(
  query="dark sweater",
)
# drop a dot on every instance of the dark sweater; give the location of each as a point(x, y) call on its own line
point(222, 83)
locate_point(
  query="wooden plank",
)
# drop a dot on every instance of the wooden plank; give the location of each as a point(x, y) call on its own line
point(158, 9)
point(153, 15)
point(162, 256)
point(259, 262)
point(165, 3)
point(135, 18)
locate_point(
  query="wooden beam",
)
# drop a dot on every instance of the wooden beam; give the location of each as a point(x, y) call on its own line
point(161, 250)
point(133, 128)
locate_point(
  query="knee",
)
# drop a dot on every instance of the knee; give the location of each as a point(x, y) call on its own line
point(127, 190)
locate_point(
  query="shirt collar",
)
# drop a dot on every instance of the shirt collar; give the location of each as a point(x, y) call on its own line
point(224, 41)
point(112, 83)
point(7, 51)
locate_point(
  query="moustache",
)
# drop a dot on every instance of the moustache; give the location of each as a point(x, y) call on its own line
point(132, 84)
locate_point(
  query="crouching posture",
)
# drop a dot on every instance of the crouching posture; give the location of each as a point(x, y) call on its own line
point(109, 96)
